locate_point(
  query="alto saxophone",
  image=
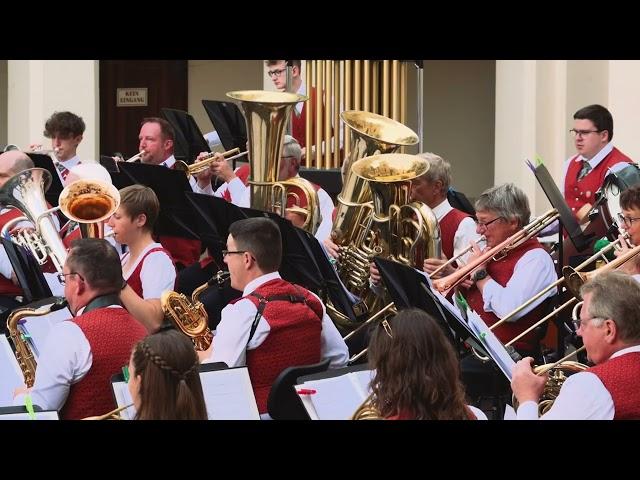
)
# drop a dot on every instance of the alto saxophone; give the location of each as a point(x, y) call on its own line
point(24, 355)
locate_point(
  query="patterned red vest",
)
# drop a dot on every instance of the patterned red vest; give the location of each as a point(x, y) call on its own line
point(243, 174)
point(578, 193)
point(111, 333)
point(501, 271)
point(299, 122)
point(134, 281)
point(448, 228)
point(620, 376)
point(294, 337)
point(7, 287)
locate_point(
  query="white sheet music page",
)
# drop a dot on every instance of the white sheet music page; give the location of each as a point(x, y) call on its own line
point(37, 328)
point(229, 395)
point(492, 344)
point(123, 397)
point(10, 373)
point(336, 398)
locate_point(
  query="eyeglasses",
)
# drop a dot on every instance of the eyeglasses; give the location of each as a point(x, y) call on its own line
point(486, 225)
point(627, 221)
point(582, 133)
point(387, 327)
point(61, 277)
point(276, 73)
point(578, 321)
point(229, 252)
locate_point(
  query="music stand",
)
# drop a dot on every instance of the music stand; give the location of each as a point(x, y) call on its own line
point(329, 179)
point(189, 138)
point(229, 123)
point(28, 272)
point(44, 161)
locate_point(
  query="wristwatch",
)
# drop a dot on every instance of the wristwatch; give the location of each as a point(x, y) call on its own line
point(480, 275)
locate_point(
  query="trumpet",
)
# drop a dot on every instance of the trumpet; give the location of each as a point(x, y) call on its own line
point(455, 258)
point(137, 156)
point(206, 161)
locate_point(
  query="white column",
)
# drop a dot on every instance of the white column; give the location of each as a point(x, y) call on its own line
point(624, 105)
point(37, 88)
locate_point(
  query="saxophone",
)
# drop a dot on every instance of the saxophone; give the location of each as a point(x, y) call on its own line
point(24, 355)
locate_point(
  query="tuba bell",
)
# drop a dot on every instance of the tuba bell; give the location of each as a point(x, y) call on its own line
point(266, 114)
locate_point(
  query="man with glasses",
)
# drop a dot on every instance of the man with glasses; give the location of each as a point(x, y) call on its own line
point(584, 173)
point(80, 356)
point(629, 220)
point(275, 324)
point(609, 325)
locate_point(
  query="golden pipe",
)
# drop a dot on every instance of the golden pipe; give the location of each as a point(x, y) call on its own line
point(338, 67)
point(308, 132)
point(357, 81)
point(347, 106)
point(445, 284)
point(395, 90)
point(540, 322)
point(318, 113)
point(403, 96)
point(367, 86)
point(375, 88)
point(328, 80)
point(563, 359)
point(385, 88)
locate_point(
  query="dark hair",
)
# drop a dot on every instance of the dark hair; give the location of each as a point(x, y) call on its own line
point(261, 237)
point(630, 198)
point(98, 263)
point(139, 199)
point(64, 124)
point(417, 369)
point(166, 129)
point(170, 387)
point(600, 116)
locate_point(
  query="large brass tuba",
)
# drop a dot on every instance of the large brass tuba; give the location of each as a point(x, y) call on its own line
point(25, 191)
point(266, 115)
point(190, 317)
point(24, 355)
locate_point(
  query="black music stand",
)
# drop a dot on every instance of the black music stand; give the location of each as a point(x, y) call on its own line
point(228, 122)
point(44, 161)
point(329, 179)
point(28, 272)
point(189, 139)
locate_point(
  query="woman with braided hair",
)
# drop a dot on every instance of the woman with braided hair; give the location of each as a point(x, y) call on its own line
point(164, 378)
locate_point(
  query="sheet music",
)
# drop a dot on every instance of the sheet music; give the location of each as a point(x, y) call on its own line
point(123, 397)
point(47, 415)
point(10, 373)
point(37, 328)
point(492, 344)
point(337, 398)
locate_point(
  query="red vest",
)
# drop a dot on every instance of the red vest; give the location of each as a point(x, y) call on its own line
point(448, 228)
point(299, 122)
point(112, 334)
point(7, 288)
point(578, 193)
point(134, 281)
point(294, 336)
point(620, 376)
point(501, 271)
point(243, 174)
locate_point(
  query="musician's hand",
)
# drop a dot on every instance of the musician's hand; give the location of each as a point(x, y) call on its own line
point(430, 265)
point(466, 283)
point(476, 252)
point(630, 267)
point(332, 249)
point(374, 274)
point(204, 177)
point(222, 168)
point(296, 218)
point(35, 147)
point(203, 355)
point(525, 384)
point(21, 390)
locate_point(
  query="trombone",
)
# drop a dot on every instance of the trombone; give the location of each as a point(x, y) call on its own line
point(456, 257)
point(206, 161)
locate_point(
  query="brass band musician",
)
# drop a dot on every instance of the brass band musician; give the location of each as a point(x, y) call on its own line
point(629, 220)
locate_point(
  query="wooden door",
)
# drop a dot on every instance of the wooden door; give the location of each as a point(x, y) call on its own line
point(166, 84)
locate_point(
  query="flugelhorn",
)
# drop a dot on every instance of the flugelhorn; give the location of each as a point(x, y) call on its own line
point(205, 162)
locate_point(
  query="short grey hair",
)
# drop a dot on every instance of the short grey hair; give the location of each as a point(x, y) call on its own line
point(291, 148)
point(439, 169)
point(508, 201)
point(616, 295)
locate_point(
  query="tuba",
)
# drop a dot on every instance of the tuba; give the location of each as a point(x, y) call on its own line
point(266, 115)
point(190, 317)
point(25, 191)
point(24, 355)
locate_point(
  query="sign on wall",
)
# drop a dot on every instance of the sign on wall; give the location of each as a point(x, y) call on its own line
point(131, 97)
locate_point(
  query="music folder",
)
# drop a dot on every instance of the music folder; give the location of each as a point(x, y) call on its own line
point(189, 140)
point(28, 272)
point(228, 121)
point(177, 218)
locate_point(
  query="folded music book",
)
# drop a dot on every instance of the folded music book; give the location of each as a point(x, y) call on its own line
point(21, 413)
point(228, 393)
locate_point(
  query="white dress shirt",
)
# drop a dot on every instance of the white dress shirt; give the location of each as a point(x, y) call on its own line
point(465, 234)
point(534, 271)
point(582, 397)
point(157, 274)
point(65, 360)
point(68, 164)
point(230, 340)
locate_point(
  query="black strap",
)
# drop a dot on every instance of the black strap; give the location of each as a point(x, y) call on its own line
point(103, 301)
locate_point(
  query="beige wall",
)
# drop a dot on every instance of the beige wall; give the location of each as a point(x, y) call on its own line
point(3, 102)
point(212, 79)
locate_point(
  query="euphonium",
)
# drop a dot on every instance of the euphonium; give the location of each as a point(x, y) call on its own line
point(25, 191)
point(24, 355)
point(190, 316)
point(266, 115)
